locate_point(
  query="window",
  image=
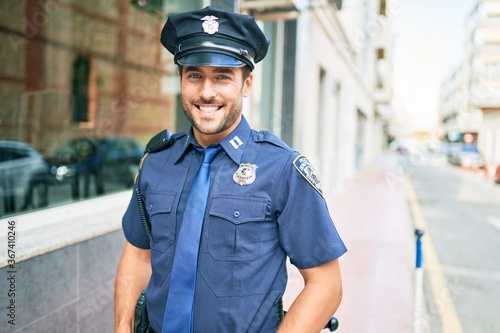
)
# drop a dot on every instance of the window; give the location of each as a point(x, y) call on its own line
point(77, 99)
point(380, 70)
point(80, 90)
point(10, 154)
point(382, 7)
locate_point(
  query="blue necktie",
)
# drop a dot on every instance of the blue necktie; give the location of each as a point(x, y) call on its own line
point(179, 309)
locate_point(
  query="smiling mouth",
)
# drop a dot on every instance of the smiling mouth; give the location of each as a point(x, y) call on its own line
point(208, 109)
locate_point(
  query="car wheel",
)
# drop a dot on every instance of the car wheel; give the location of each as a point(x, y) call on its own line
point(37, 195)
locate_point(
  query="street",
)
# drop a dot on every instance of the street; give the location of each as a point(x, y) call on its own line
point(461, 213)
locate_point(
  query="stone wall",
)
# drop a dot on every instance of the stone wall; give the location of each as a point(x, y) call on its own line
point(67, 290)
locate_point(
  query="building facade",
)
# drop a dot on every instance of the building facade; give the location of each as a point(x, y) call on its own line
point(74, 68)
point(486, 83)
point(470, 95)
point(326, 86)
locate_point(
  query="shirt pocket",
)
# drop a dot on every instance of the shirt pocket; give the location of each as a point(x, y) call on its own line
point(234, 231)
point(160, 208)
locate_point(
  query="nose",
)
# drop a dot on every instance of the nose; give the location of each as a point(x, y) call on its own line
point(208, 90)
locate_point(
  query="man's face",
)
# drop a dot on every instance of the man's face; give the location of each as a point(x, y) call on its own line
point(212, 100)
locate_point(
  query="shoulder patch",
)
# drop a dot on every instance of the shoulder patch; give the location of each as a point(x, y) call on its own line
point(304, 167)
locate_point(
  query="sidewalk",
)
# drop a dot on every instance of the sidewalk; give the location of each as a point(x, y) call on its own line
point(373, 219)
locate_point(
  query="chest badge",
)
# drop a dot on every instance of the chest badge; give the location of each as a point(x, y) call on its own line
point(245, 175)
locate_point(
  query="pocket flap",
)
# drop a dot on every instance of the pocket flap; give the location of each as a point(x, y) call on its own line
point(159, 202)
point(239, 210)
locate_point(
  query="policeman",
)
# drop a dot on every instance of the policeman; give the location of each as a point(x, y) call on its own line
point(264, 203)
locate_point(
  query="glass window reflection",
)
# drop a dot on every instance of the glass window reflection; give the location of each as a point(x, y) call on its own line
point(83, 86)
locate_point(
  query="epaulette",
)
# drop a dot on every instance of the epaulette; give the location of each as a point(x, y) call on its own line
point(270, 137)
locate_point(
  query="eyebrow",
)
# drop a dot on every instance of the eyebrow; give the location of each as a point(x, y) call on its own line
point(224, 70)
point(191, 69)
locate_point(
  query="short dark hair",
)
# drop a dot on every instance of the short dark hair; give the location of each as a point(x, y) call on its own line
point(246, 72)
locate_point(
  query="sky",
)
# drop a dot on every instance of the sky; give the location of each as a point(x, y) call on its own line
point(429, 42)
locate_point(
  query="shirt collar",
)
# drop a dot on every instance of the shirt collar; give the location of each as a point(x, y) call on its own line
point(234, 144)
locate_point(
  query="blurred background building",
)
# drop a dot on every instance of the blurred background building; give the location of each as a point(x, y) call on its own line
point(470, 95)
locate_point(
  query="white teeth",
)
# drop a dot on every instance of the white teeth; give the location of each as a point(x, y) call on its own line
point(208, 108)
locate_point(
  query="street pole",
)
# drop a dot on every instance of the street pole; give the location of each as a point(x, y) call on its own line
point(419, 280)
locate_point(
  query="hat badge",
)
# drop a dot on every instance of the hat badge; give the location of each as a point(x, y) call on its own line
point(210, 25)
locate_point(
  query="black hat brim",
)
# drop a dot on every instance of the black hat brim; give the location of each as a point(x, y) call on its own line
point(210, 60)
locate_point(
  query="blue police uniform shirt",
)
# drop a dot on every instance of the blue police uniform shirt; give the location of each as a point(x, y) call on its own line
point(248, 231)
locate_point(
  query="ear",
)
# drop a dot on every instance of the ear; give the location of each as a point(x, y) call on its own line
point(247, 85)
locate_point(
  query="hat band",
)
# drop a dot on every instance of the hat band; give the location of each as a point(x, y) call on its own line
point(241, 52)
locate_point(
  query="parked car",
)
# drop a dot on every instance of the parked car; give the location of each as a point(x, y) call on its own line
point(101, 160)
point(24, 177)
point(465, 155)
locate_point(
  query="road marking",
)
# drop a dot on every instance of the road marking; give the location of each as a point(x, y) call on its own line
point(494, 221)
point(442, 295)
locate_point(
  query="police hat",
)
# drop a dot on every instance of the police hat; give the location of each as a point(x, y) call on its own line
point(213, 37)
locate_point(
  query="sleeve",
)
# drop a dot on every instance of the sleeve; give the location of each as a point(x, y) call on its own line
point(307, 232)
point(132, 224)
